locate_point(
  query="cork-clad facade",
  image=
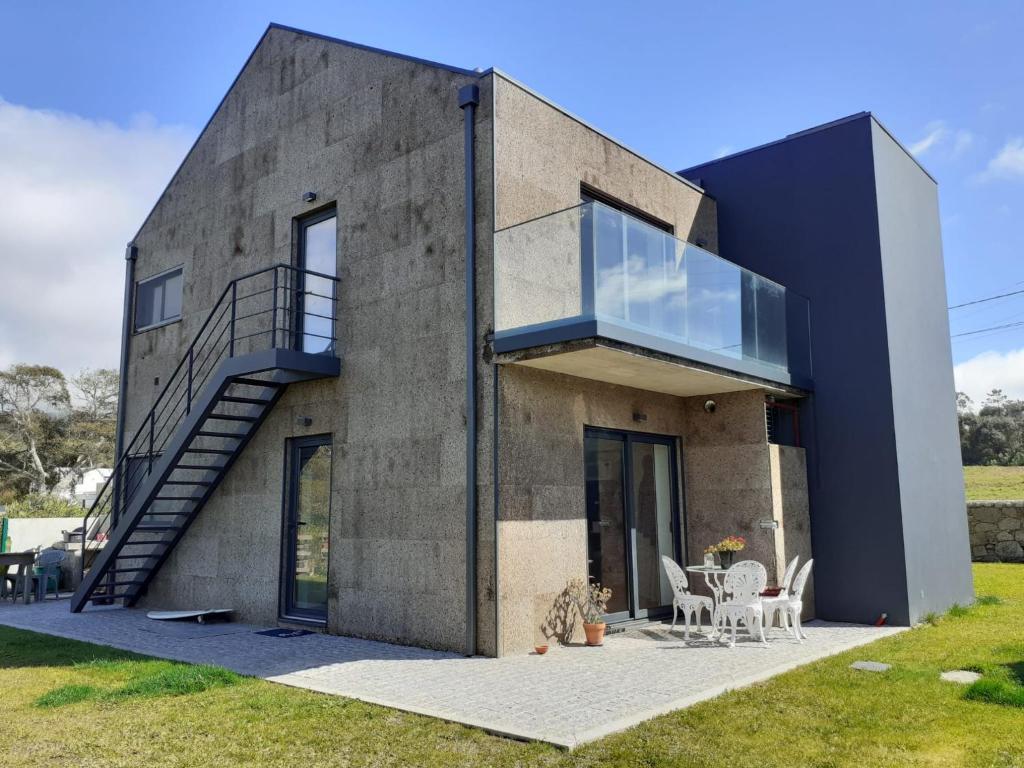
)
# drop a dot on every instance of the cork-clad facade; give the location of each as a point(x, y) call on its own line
point(412, 348)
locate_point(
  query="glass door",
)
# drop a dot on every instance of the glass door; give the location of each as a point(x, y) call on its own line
point(318, 252)
point(632, 518)
point(307, 529)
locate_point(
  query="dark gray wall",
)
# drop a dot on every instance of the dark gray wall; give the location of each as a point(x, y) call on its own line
point(921, 369)
point(804, 212)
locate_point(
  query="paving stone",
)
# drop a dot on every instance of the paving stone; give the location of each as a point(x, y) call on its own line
point(871, 666)
point(962, 676)
point(567, 697)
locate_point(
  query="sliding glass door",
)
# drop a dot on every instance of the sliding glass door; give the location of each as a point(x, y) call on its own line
point(632, 518)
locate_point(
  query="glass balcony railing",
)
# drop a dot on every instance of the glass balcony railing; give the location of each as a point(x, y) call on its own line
point(593, 262)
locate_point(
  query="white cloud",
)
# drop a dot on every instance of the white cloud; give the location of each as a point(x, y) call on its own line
point(962, 142)
point(991, 370)
point(1009, 163)
point(73, 192)
point(936, 132)
point(724, 150)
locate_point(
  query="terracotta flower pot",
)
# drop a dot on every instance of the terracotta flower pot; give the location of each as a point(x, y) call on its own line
point(595, 633)
point(540, 649)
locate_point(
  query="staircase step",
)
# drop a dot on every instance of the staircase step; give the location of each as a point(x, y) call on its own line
point(248, 400)
point(210, 433)
point(256, 383)
point(229, 417)
point(220, 451)
point(211, 467)
point(155, 527)
point(188, 482)
point(177, 498)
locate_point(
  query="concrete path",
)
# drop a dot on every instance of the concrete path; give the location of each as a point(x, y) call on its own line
point(569, 696)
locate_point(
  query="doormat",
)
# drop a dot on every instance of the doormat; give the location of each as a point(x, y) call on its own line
point(284, 632)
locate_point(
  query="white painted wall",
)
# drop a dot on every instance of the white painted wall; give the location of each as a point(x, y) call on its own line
point(39, 532)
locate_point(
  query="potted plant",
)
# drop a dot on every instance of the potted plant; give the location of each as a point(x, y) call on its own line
point(727, 549)
point(592, 601)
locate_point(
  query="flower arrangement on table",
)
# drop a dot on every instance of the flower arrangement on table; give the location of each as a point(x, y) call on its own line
point(726, 549)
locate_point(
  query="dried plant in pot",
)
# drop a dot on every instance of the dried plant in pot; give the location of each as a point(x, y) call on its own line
point(592, 601)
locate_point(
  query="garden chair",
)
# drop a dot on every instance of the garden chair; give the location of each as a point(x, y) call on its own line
point(793, 609)
point(772, 605)
point(744, 583)
point(682, 600)
point(48, 565)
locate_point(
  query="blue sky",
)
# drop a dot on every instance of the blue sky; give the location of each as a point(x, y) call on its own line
point(680, 82)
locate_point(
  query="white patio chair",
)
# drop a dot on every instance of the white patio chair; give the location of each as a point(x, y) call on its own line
point(744, 583)
point(682, 600)
point(772, 605)
point(793, 609)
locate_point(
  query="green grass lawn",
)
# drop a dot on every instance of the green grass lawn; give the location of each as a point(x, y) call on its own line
point(994, 483)
point(68, 703)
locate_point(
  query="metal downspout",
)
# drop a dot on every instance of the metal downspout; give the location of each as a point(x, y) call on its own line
point(130, 255)
point(469, 97)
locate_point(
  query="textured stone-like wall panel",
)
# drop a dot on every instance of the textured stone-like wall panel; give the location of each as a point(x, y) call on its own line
point(543, 155)
point(542, 530)
point(382, 137)
point(792, 512)
point(996, 530)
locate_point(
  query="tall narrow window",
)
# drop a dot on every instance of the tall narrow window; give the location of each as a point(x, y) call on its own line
point(158, 299)
point(318, 258)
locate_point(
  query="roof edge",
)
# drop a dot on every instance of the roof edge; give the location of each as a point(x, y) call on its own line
point(234, 81)
point(372, 49)
point(809, 131)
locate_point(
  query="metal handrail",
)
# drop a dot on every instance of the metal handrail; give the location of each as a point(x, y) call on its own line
point(117, 491)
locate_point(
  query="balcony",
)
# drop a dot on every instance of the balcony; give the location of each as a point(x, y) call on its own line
point(590, 290)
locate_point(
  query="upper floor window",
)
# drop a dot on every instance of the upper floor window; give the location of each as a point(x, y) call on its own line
point(158, 299)
point(590, 195)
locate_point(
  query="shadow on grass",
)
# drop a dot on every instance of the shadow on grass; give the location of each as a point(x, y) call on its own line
point(20, 648)
point(147, 679)
point(1001, 684)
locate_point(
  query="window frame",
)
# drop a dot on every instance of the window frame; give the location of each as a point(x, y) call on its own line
point(180, 268)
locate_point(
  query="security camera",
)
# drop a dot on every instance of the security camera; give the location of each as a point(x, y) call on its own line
point(710, 406)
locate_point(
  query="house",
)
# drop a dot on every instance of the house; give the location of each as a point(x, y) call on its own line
point(408, 347)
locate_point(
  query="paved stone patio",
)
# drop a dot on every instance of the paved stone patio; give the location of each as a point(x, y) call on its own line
point(567, 697)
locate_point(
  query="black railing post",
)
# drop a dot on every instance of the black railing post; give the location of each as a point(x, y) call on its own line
point(188, 386)
point(152, 427)
point(273, 314)
point(234, 296)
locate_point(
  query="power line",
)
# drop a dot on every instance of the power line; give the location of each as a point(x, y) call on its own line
point(992, 328)
point(988, 298)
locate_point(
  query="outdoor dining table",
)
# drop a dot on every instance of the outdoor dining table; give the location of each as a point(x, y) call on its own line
point(713, 576)
point(24, 561)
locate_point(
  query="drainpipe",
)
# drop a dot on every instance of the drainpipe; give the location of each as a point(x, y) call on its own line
point(130, 255)
point(469, 97)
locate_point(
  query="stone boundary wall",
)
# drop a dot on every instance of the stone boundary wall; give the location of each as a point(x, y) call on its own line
point(997, 531)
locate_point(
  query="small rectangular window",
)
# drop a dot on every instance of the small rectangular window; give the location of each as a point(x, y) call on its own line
point(158, 299)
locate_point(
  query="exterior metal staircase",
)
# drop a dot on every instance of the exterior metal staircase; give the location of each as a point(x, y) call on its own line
point(267, 330)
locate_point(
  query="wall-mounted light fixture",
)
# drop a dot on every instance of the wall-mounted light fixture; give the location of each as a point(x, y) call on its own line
point(309, 197)
point(304, 421)
point(769, 525)
point(710, 406)
point(638, 416)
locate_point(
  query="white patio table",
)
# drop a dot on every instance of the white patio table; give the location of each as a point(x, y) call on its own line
point(712, 577)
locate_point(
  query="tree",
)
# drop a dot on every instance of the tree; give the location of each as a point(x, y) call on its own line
point(92, 423)
point(97, 390)
point(993, 435)
point(33, 400)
